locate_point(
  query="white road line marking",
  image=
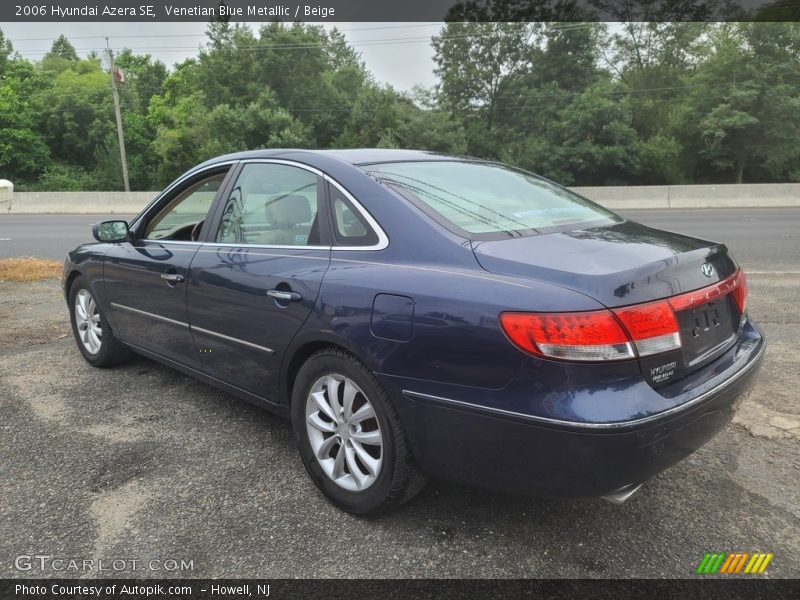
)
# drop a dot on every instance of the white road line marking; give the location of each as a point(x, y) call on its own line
point(5, 239)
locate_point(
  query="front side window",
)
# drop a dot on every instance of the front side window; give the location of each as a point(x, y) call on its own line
point(183, 216)
point(272, 204)
point(482, 200)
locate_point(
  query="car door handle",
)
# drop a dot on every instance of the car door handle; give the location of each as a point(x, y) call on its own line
point(284, 296)
point(172, 277)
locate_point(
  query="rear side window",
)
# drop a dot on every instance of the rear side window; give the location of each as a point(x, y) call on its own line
point(349, 226)
point(273, 205)
point(482, 200)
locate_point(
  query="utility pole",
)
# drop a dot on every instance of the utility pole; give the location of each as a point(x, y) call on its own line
point(118, 114)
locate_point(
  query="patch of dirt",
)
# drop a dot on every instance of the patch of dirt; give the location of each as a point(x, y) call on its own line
point(114, 510)
point(762, 421)
point(32, 313)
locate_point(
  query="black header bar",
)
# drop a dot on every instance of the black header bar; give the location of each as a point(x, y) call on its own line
point(395, 10)
point(732, 588)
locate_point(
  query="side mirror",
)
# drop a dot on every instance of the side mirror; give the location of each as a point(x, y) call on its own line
point(110, 231)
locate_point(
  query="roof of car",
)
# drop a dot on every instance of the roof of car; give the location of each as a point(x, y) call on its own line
point(356, 156)
point(362, 156)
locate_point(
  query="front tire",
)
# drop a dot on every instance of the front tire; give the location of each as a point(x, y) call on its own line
point(90, 328)
point(350, 437)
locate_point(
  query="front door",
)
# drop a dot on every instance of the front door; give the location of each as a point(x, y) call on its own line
point(256, 279)
point(145, 279)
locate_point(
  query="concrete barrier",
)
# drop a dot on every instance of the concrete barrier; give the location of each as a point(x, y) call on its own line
point(79, 202)
point(735, 196)
point(634, 197)
point(754, 195)
point(748, 195)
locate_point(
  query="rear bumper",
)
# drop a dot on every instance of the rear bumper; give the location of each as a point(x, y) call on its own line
point(513, 451)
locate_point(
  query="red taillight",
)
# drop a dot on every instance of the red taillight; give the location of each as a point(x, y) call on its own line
point(740, 292)
point(653, 327)
point(648, 320)
point(600, 335)
point(709, 293)
point(595, 335)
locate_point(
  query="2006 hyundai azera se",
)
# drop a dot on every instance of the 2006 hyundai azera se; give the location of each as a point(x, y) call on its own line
point(418, 314)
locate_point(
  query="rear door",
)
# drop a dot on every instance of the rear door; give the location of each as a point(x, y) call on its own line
point(256, 278)
point(145, 279)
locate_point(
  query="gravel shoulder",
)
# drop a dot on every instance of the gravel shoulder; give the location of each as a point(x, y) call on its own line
point(141, 462)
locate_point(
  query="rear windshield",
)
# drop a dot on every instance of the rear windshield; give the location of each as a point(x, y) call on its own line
point(482, 200)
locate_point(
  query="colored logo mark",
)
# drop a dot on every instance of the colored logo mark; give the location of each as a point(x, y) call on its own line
point(734, 562)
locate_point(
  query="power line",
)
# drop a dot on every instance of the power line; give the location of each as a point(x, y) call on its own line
point(300, 46)
point(205, 35)
point(565, 27)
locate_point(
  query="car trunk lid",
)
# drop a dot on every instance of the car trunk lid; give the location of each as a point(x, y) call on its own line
point(627, 264)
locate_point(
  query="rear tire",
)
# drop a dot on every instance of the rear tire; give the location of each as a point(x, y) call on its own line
point(90, 328)
point(350, 437)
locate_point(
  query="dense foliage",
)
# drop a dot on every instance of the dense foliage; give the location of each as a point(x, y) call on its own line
point(583, 103)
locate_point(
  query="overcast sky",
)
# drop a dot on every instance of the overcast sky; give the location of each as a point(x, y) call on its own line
point(396, 53)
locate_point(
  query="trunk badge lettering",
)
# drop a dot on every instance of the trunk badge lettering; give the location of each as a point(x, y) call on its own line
point(707, 269)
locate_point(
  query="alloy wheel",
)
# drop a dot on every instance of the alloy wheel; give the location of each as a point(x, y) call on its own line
point(87, 321)
point(344, 433)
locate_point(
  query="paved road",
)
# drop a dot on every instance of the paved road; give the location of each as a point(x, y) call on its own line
point(46, 236)
point(762, 239)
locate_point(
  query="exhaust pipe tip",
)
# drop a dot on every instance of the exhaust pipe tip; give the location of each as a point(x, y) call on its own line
point(622, 494)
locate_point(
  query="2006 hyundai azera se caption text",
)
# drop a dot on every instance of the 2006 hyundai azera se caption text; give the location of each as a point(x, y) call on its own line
point(418, 314)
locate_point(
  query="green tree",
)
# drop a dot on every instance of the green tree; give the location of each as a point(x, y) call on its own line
point(475, 63)
point(5, 52)
point(654, 63)
point(743, 106)
point(187, 132)
point(588, 140)
point(76, 113)
point(62, 56)
point(23, 153)
point(62, 48)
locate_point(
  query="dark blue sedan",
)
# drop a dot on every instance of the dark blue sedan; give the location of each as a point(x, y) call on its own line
point(418, 314)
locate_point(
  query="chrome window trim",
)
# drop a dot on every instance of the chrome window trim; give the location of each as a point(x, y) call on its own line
point(180, 242)
point(615, 425)
point(245, 246)
point(383, 239)
point(208, 247)
point(212, 249)
point(283, 161)
point(175, 184)
point(232, 339)
point(149, 314)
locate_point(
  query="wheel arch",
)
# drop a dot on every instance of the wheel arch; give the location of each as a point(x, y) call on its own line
point(69, 280)
point(301, 351)
point(95, 286)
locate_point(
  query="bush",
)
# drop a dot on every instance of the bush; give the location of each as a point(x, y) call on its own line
point(59, 177)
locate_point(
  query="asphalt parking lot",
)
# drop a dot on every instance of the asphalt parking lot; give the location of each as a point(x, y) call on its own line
point(139, 463)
